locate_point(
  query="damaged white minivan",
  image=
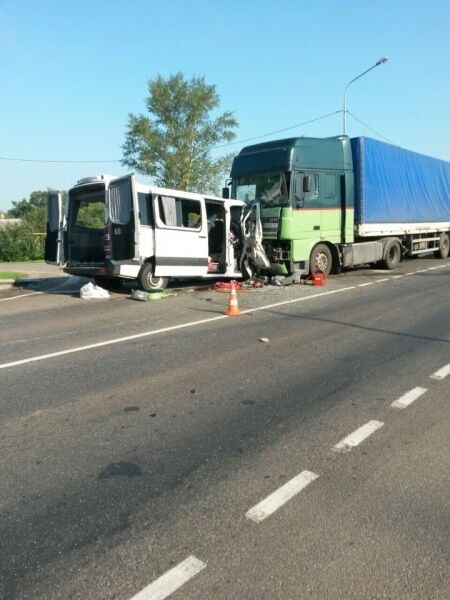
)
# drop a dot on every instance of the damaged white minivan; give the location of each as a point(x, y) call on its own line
point(116, 228)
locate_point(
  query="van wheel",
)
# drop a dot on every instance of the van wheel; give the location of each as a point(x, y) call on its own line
point(147, 280)
point(321, 260)
point(444, 247)
point(392, 255)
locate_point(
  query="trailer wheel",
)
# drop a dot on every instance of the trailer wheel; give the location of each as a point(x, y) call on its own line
point(147, 280)
point(444, 247)
point(392, 255)
point(321, 260)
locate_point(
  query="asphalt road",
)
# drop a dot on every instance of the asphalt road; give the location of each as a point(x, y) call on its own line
point(161, 444)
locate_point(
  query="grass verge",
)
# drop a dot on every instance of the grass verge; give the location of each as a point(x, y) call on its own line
point(11, 275)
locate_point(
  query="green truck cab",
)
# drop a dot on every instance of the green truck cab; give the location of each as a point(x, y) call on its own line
point(305, 190)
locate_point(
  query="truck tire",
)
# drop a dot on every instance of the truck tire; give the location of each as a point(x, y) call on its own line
point(147, 280)
point(392, 255)
point(444, 247)
point(321, 260)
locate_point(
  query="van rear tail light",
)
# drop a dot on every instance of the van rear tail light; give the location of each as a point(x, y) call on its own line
point(107, 242)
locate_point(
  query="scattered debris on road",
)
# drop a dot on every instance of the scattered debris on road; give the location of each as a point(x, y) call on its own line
point(91, 291)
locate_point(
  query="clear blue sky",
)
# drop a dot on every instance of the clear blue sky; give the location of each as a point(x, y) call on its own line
point(71, 71)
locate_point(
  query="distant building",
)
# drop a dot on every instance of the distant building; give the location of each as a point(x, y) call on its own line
point(4, 222)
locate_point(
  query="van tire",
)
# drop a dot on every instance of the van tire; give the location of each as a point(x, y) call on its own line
point(444, 247)
point(321, 260)
point(147, 280)
point(392, 255)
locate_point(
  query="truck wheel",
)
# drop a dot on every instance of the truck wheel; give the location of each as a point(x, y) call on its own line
point(321, 260)
point(444, 247)
point(147, 280)
point(392, 255)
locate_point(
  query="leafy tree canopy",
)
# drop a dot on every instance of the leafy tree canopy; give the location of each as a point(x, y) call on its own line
point(173, 144)
point(33, 210)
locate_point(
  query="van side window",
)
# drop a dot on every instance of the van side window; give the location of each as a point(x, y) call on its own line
point(180, 212)
point(145, 209)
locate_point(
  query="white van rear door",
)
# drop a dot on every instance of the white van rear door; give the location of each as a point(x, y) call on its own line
point(181, 237)
point(54, 241)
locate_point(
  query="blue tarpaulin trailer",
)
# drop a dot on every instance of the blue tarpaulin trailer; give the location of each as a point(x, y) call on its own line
point(397, 186)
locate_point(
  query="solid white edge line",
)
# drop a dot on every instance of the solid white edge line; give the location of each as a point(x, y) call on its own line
point(409, 397)
point(279, 497)
point(21, 296)
point(441, 373)
point(164, 330)
point(171, 581)
point(175, 327)
point(357, 436)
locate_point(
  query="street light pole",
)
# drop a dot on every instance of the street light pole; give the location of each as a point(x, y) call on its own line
point(344, 109)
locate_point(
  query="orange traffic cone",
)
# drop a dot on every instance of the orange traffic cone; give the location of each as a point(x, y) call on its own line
point(233, 308)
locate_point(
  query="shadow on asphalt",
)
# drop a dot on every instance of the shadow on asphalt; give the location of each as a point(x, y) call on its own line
point(70, 286)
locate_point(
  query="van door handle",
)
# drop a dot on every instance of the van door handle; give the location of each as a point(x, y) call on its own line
point(316, 227)
point(202, 236)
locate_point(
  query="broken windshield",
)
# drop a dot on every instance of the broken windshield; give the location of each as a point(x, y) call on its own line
point(269, 189)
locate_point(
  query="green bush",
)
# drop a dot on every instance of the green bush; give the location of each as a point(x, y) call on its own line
point(18, 243)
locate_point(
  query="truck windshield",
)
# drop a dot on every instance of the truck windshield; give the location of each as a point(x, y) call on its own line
point(269, 189)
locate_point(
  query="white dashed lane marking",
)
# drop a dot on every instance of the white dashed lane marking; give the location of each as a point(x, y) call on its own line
point(171, 581)
point(358, 436)
point(441, 373)
point(282, 495)
point(408, 398)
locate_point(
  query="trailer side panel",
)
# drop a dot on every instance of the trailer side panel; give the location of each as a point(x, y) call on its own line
point(393, 185)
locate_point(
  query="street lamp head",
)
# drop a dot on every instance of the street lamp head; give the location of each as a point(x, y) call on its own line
point(344, 109)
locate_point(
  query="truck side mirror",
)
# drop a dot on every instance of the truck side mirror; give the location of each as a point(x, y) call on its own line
point(226, 193)
point(307, 183)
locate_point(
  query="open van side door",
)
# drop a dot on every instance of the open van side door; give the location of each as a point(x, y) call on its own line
point(181, 236)
point(54, 241)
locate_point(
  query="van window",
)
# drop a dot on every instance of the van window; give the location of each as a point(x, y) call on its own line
point(180, 212)
point(145, 209)
point(120, 202)
point(90, 215)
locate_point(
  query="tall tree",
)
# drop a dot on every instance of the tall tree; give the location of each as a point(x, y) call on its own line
point(173, 144)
